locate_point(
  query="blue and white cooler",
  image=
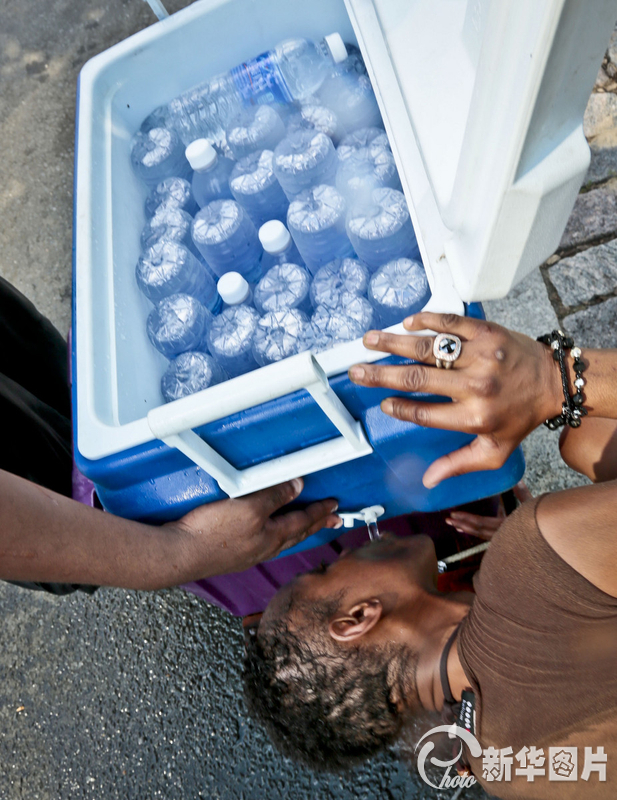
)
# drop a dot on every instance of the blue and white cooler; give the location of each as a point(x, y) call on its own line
point(483, 104)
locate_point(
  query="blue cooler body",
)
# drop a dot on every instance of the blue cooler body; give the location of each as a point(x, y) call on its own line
point(157, 483)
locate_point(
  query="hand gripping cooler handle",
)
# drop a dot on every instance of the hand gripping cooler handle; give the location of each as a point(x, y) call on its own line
point(174, 424)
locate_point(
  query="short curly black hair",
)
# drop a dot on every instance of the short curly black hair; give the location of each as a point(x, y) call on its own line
point(326, 705)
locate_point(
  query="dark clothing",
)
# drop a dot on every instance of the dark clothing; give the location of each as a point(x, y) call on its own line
point(35, 403)
point(539, 647)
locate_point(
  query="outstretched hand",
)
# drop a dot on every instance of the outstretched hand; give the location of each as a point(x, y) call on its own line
point(233, 535)
point(485, 527)
point(503, 385)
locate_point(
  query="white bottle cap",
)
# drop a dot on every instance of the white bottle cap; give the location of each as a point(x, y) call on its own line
point(336, 46)
point(200, 154)
point(233, 288)
point(274, 237)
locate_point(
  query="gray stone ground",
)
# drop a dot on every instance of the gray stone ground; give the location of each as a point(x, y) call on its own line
point(135, 695)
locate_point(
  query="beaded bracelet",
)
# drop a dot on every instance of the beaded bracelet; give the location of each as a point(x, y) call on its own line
point(572, 410)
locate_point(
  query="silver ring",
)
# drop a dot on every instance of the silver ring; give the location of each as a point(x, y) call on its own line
point(446, 349)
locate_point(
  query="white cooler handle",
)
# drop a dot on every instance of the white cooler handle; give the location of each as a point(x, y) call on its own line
point(174, 424)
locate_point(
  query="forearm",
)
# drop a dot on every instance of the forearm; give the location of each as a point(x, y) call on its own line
point(591, 449)
point(47, 537)
point(600, 390)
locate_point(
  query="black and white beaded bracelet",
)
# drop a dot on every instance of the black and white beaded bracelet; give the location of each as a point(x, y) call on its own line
point(572, 410)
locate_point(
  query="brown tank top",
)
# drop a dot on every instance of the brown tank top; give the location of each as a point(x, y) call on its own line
point(539, 648)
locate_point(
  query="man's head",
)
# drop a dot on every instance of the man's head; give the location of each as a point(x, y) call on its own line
point(331, 669)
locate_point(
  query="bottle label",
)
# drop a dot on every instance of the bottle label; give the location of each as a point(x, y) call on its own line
point(260, 81)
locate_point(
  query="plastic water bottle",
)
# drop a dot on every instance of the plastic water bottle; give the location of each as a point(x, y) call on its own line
point(316, 220)
point(230, 339)
point(359, 309)
point(293, 70)
point(254, 129)
point(303, 159)
point(227, 239)
point(210, 172)
point(158, 154)
point(341, 277)
point(189, 373)
point(364, 170)
point(348, 91)
point(382, 141)
point(254, 185)
point(155, 119)
point(171, 192)
point(381, 230)
point(283, 286)
point(169, 268)
point(398, 289)
point(234, 289)
point(177, 324)
point(169, 223)
point(330, 327)
point(279, 247)
point(280, 334)
point(363, 137)
point(315, 117)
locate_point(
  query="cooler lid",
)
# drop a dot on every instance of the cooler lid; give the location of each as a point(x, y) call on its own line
point(483, 101)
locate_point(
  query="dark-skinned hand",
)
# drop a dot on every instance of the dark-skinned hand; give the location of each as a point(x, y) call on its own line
point(503, 385)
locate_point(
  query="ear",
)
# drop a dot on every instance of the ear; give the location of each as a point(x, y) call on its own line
point(360, 619)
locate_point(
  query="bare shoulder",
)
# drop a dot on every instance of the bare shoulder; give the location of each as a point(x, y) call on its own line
point(581, 526)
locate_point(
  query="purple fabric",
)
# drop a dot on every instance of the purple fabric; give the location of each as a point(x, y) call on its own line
point(83, 488)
